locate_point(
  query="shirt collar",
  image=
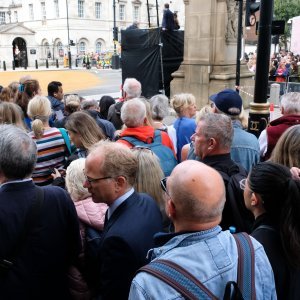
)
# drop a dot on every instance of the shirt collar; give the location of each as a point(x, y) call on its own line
point(15, 181)
point(118, 202)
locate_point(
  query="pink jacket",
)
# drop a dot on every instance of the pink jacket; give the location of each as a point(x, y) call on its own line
point(91, 213)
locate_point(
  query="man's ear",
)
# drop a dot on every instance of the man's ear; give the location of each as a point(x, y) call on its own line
point(212, 144)
point(120, 182)
point(171, 209)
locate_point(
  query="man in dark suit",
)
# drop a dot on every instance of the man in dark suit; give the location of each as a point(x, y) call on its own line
point(168, 19)
point(39, 232)
point(131, 219)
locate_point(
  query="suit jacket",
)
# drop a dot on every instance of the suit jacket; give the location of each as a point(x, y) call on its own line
point(50, 247)
point(168, 20)
point(127, 237)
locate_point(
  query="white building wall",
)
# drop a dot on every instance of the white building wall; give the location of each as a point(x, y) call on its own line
point(51, 31)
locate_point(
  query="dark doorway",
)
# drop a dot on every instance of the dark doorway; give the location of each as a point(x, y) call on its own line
point(20, 53)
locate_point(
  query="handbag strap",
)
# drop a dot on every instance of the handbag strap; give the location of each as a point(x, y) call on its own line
point(191, 288)
point(246, 265)
point(30, 220)
point(178, 278)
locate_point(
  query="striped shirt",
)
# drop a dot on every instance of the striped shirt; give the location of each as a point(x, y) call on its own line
point(51, 154)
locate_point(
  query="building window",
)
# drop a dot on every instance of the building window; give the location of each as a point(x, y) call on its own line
point(98, 47)
point(16, 16)
point(98, 10)
point(43, 7)
point(2, 17)
point(80, 9)
point(82, 47)
point(31, 15)
point(122, 12)
point(56, 7)
point(136, 13)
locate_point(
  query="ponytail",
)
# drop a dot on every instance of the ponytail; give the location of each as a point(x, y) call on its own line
point(38, 128)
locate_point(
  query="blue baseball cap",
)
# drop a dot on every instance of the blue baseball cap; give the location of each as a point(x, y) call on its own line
point(228, 101)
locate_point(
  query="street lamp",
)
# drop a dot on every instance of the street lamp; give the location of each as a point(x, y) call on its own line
point(115, 60)
point(69, 50)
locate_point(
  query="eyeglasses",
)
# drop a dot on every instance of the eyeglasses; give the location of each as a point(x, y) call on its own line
point(163, 184)
point(243, 184)
point(90, 180)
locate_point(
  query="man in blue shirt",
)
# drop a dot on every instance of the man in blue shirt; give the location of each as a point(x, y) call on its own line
point(194, 203)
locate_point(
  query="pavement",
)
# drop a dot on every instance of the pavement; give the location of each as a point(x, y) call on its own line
point(74, 80)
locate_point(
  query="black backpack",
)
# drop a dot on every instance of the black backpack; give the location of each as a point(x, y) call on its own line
point(235, 212)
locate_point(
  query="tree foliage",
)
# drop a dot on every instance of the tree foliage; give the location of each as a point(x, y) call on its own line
point(285, 10)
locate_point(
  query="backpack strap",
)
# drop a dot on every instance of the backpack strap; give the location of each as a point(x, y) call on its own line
point(66, 138)
point(178, 278)
point(246, 265)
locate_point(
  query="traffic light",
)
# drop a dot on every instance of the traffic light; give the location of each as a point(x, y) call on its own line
point(251, 8)
point(115, 33)
point(72, 43)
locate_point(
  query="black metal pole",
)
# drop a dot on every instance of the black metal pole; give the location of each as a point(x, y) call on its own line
point(263, 51)
point(68, 28)
point(157, 16)
point(259, 114)
point(239, 46)
point(115, 59)
point(148, 10)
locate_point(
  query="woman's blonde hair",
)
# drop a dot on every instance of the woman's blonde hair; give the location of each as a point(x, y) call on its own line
point(11, 113)
point(287, 149)
point(181, 101)
point(39, 110)
point(75, 179)
point(149, 174)
point(83, 124)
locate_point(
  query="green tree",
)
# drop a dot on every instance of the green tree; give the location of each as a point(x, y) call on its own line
point(285, 10)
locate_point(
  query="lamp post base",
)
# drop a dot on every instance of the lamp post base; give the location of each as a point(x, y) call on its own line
point(115, 61)
point(259, 117)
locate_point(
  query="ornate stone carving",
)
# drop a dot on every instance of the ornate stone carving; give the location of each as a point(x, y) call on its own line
point(232, 20)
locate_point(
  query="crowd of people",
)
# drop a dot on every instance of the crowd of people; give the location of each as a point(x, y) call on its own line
point(284, 66)
point(103, 200)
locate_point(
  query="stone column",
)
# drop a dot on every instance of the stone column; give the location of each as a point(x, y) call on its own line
point(210, 45)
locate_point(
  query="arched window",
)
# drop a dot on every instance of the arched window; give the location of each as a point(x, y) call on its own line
point(82, 47)
point(98, 47)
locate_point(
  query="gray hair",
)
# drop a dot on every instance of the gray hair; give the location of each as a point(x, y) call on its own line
point(291, 103)
point(87, 104)
point(132, 88)
point(18, 152)
point(75, 179)
point(219, 127)
point(159, 107)
point(133, 113)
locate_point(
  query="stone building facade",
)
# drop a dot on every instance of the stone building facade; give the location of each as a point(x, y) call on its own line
point(36, 30)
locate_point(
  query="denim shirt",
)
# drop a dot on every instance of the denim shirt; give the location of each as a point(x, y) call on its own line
point(245, 147)
point(209, 255)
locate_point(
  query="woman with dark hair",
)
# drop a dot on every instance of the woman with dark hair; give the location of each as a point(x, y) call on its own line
point(273, 196)
point(27, 91)
point(104, 105)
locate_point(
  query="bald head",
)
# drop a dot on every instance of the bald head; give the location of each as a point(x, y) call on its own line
point(198, 193)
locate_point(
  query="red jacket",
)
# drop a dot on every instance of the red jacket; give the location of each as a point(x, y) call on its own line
point(277, 128)
point(145, 134)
